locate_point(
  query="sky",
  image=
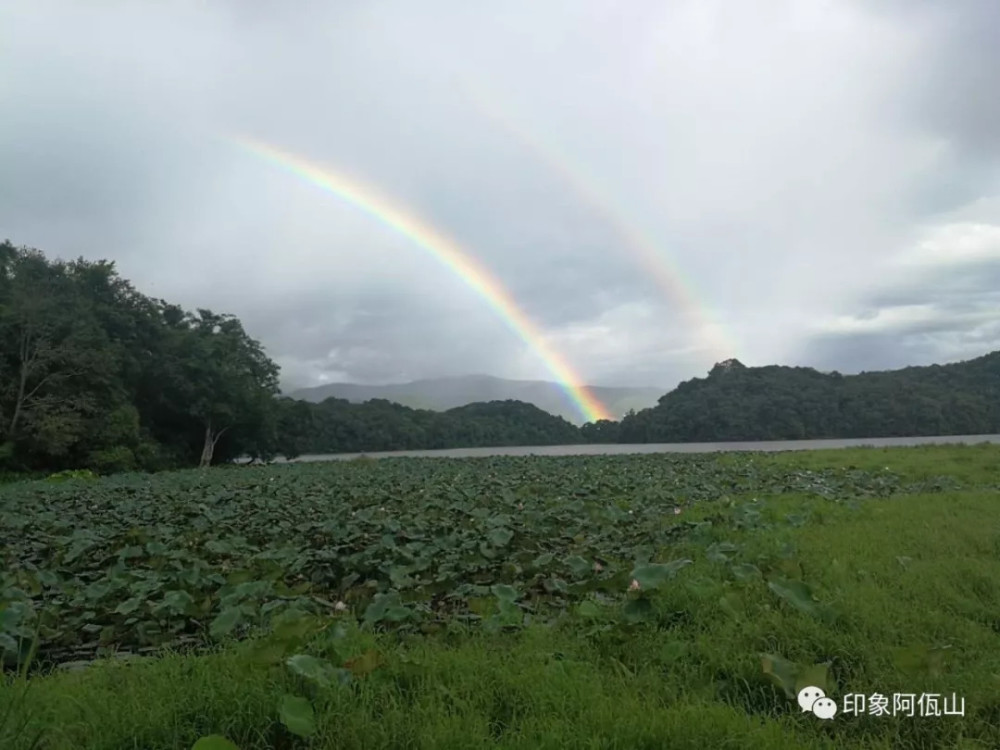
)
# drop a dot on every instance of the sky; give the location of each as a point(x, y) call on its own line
point(656, 185)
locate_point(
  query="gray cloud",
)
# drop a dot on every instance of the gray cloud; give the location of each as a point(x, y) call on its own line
point(942, 314)
point(957, 72)
point(948, 97)
point(778, 157)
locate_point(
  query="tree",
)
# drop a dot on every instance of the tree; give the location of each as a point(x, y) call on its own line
point(602, 431)
point(50, 355)
point(294, 427)
point(95, 374)
point(118, 437)
point(220, 378)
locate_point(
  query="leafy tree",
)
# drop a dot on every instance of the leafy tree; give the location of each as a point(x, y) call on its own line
point(221, 378)
point(50, 360)
point(95, 374)
point(602, 431)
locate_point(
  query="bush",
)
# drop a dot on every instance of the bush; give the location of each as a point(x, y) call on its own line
point(110, 460)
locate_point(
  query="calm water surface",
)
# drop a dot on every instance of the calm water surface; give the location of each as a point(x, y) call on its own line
point(619, 449)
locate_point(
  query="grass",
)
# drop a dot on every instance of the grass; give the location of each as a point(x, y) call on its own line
point(906, 600)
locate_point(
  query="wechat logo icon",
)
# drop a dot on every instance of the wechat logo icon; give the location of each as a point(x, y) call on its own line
point(814, 699)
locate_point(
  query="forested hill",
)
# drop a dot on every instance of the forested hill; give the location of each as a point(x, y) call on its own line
point(441, 394)
point(738, 403)
point(339, 426)
point(96, 375)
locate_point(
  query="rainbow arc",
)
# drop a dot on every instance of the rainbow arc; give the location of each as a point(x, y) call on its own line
point(447, 252)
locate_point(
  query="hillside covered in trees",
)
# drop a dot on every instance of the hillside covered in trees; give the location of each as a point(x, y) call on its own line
point(339, 426)
point(737, 403)
point(444, 393)
point(94, 374)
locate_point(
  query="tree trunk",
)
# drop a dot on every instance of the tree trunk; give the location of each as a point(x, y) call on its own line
point(208, 447)
point(18, 405)
point(25, 366)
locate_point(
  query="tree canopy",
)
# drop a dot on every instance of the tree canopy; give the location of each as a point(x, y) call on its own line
point(739, 403)
point(96, 374)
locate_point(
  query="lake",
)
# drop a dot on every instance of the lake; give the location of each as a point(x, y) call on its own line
point(621, 449)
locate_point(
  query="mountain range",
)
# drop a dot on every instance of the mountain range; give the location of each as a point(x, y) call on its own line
point(440, 394)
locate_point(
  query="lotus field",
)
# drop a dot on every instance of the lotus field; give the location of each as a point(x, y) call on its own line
point(364, 602)
point(132, 563)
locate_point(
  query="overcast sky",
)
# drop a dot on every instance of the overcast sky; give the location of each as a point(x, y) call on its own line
point(818, 178)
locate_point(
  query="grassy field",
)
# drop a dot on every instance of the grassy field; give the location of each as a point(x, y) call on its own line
point(519, 602)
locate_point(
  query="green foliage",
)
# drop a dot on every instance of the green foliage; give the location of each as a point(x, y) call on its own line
point(16, 712)
point(111, 460)
point(792, 677)
point(297, 715)
point(214, 742)
point(69, 474)
point(386, 607)
point(339, 426)
point(738, 403)
point(800, 596)
point(186, 559)
point(581, 662)
point(602, 431)
point(734, 403)
point(95, 375)
point(312, 669)
point(652, 576)
point(225, 622)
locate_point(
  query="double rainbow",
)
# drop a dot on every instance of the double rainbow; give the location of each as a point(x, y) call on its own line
point(662, 269)
point(448, 253)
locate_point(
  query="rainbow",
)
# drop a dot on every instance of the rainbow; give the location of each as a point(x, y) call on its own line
point(663, 270)
point(448, 253)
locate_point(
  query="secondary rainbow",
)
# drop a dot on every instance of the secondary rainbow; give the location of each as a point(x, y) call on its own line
point(445, 251)
point(665, 272)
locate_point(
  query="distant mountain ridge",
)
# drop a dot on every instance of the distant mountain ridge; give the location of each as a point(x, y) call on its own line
point(734, 403)
point(441, 394)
